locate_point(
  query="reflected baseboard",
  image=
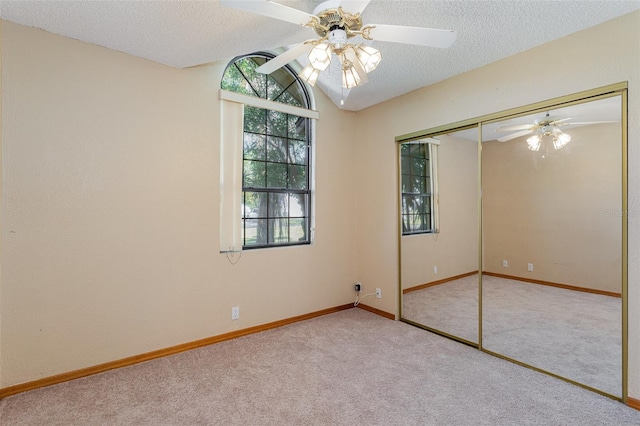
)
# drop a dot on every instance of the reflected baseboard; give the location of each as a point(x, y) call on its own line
point(442, 281)
point(552, 284)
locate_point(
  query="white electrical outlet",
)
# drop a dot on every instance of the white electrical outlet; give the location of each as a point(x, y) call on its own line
point(505, 263)
point(530, 267)
point(435, 270)
point(235, 313)
point(378, 293)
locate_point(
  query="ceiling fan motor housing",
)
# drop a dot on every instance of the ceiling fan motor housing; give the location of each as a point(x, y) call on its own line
point(548, 129)
point(331, 16)
point(337, 36)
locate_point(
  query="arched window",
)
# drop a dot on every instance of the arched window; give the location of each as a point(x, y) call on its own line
point(276, 154)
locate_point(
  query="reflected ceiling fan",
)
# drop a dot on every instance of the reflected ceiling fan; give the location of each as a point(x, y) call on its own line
point(548, 126)
point(336, 24)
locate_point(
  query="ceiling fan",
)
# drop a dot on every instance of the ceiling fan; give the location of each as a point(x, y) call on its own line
point(548, 126)
point(336, 24)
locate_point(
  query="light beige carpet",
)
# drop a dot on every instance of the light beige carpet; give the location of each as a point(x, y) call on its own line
point(348, 368)
point(450, 307)
point(574, 334)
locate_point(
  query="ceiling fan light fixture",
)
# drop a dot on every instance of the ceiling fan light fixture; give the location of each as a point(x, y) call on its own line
point(369, 57)
point(320, 56)
point(560, 140)
point(309, 74)
point(533, 142)
point(350, 77)
point(335, 27)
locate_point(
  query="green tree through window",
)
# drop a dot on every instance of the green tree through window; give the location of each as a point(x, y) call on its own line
point(276, 156)
point(416, 189)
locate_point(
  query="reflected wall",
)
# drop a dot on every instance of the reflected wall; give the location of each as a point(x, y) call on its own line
point(439, 269)
point(552, 244)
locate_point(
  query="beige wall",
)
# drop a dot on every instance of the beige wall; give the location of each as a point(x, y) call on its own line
point(110, 212)
point(606, 54)
point(557, 212)
point(1, 186)
point(454, 250)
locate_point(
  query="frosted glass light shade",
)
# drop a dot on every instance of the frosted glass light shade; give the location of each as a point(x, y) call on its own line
point(560, 140)
point(320, 56)
point(309, 74)
point(350, 77)
point(369, 57)
point(533, 143)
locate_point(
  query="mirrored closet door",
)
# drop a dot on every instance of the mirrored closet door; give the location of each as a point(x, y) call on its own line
point(439, 243)
point(552, 241)
point(513, 234)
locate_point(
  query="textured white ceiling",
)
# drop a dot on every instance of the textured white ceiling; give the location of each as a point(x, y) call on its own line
point(188, 33)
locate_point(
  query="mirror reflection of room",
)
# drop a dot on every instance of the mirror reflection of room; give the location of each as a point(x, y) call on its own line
point(552, 241)
point(439, 244)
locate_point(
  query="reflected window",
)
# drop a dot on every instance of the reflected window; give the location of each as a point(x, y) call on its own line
point(276, 193)
point(417, 188)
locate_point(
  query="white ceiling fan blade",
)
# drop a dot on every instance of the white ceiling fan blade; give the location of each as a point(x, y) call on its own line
point(284, 58)
point(514, 128)
point(271, 9)
point(514, 135)
point(351, 56)
point(354, 6)
point(413, 35)
point(559, 121)
point(585, 123)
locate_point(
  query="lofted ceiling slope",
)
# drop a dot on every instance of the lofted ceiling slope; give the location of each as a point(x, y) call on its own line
point(188, 33)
